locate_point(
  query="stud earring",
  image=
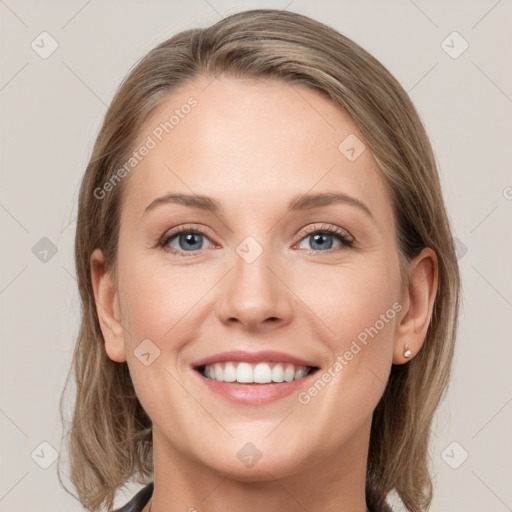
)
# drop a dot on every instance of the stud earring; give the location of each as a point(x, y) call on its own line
point(407, 351)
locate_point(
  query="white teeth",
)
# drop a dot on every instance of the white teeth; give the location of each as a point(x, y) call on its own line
point(299, 373)
point(229, 372)
point(289, 373)
point(219, 372)
point(278, 373)
point(244, 372)
point(260, 373)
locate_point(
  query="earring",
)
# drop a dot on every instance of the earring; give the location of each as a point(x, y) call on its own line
point(407, 351)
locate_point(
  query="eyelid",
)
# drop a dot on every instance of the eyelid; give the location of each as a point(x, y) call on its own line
point(185, 228)
point(328, 228)
point(345, 237)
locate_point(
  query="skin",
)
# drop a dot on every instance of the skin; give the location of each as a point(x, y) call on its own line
point(254, 145)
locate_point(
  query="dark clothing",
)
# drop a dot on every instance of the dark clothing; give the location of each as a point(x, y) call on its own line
point(139, 501)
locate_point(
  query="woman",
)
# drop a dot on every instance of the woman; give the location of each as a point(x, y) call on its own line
point(269, 284)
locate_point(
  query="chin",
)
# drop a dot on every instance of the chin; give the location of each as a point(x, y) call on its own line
point(267, 468)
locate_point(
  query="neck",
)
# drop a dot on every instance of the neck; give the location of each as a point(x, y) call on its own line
point(336, 482)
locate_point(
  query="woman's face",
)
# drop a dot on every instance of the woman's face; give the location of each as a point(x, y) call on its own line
point(255, 275)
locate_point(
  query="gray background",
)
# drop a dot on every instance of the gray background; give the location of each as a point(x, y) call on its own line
point(51, 111)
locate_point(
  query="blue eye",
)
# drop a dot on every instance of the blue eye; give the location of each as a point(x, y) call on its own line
point(190, 240)
point(322, 238)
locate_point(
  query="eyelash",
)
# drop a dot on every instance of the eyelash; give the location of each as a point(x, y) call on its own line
point(332, 230)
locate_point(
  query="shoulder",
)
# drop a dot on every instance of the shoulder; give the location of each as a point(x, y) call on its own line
point(139, 501)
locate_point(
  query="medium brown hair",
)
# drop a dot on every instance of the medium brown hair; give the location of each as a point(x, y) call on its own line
point(110, 440)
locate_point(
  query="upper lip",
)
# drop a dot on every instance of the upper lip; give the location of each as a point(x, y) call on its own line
point(270, 356)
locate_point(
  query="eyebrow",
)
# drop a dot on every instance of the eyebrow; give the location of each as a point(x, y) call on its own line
point(301, 202)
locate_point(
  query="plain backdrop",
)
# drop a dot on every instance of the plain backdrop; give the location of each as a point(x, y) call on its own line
point(51, 110)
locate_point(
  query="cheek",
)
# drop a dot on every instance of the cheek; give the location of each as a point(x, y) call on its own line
point(352, 297)
point(362, 313)
point(343, 303)
point(155, 302)
point(155, 298)
point(162, 308)
point(356, 309)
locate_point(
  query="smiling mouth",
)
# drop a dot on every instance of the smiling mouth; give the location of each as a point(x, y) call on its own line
point(240, 372)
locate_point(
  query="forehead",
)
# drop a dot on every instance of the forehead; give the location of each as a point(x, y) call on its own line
point(248, 141)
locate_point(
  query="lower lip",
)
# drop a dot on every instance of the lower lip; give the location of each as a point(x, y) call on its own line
point(254, 394)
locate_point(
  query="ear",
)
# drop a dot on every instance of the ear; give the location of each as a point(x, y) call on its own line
point(418, 300)
point(107, 307)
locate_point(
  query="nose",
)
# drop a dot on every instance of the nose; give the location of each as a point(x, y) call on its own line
point(254, 295)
